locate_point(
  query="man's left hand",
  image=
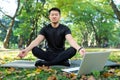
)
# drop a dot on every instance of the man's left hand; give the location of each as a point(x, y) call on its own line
point(82, 52)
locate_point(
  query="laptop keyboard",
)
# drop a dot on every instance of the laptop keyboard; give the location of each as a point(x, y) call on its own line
point(75, 71)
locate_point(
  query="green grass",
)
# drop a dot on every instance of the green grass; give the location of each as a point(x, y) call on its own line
point(45, 73)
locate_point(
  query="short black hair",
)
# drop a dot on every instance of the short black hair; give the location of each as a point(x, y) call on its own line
point(55, 9)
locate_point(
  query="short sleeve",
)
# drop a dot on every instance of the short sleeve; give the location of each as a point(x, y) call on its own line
point(67, 31)
point(42, 31)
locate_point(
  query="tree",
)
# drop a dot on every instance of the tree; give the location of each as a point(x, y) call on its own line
point(95, 21)
point(9, 30)
point(32, 16)
point(115, 9)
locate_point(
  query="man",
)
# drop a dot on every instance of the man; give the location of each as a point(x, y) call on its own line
point(55, 35)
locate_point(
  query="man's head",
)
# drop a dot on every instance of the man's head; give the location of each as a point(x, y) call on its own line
point(55, 9)
point(54, 15)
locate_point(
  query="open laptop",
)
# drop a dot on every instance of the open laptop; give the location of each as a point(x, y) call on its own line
point(92, 61)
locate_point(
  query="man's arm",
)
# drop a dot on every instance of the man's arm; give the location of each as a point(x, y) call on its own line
point(34, 43)
point(74, 44)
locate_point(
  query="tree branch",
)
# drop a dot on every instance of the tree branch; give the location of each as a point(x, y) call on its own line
point(18, 5)
point(101, 11)
point(115, 9)
point(5, 14)
point(3, 26)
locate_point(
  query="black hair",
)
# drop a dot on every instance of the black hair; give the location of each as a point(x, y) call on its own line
point(55, 9)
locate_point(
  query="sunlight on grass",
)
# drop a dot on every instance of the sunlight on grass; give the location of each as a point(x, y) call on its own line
point(8, 56)
point(115, 56)
point(12, 55)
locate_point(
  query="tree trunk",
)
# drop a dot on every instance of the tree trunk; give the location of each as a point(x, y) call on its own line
point(9, 30)
point(115, 9)
point(20, 42)
point(7, 37)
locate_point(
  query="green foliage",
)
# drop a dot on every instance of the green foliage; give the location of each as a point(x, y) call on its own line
point(29, 19)
point(90, 20)
point(95, 19)
point(96, 74)
point(22, 30)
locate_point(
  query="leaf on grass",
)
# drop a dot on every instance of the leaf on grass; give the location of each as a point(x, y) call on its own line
point(1, 59)
point(53, 77)
point(111, 71)
point(38, 70)
point(11, 69)
point(118, 74)
point(32, 74)
point(6, 57)
point(2, 62)
point(66, 74)
point(0, 78)
point(91, 78)
point(43, 67)
point(83, 77)
point(47, 69)
point(72, 76)
point(107, 74)
point(117, 70)
point(0, 73)
point(17, 58)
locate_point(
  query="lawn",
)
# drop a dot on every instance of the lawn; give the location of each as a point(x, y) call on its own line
point(48, 73)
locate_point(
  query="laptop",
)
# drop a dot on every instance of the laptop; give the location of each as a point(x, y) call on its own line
point(92, 61)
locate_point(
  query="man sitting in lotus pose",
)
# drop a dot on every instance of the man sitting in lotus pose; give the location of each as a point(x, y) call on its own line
point(55, 35)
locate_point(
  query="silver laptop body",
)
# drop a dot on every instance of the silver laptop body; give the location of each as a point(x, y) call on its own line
point(92, 61)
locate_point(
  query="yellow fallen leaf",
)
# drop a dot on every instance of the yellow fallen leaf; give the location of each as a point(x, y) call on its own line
point(107, 74)
point(1, 73)
point(72, 75)
point(53, 77)
point(5, 57)
point(1, 59)
point(118, 74)
point(9, 72)
point(117, 70)
point(74, 78)
point(38, 70)
point(83, 77)
point(11, 69)
point(17, 58)
point(91, 78)
point(32, 74)
point(2, 62)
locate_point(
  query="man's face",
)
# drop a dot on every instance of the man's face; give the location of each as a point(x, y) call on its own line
point(54, 16)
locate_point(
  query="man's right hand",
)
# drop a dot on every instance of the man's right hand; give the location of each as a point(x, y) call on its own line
point(22, 53)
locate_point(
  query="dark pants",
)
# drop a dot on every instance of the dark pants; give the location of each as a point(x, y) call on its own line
point(54, 57)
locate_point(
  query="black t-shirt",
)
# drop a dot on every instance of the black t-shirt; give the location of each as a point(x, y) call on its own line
point(55, 37)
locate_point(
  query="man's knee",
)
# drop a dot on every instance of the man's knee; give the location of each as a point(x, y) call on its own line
point(72, 50)
point(34, 49)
